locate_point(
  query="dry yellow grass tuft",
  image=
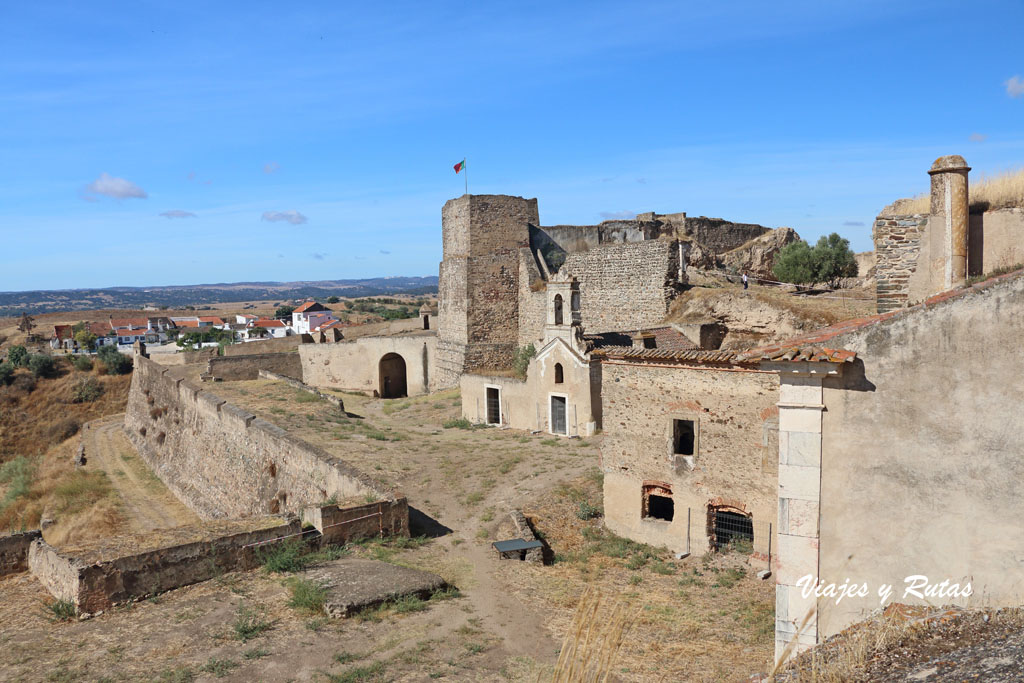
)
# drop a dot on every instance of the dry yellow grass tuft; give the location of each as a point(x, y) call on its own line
point(1000, 191)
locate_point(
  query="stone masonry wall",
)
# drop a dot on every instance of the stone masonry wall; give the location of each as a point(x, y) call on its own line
point(279, 345)
point(897, 250)
point(248, 367)
point(479, 282)
point(735, 457)
point(14, 551)
point(625, 286)
point(532, 300)
point(207, 451)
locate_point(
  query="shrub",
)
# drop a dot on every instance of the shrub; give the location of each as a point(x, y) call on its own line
point(87, 390)
point(63, 610)
point(250, 623)
point(289, 556)
point(17, 356)
point(23, 382)
point(587, 510)
point(17, 474)
point(795, 263)
point(306, 595)
point(284, 312)
point(521, 360)
point(457, 423)
point(42, 365)
point(83, 363)
point(6, 373)
point(116, 362)
point(332, 299)
point(64, 429)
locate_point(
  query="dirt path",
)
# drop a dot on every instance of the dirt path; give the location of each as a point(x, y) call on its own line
point(148, 504)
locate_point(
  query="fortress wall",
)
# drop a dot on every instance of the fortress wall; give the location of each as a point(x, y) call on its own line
point(222, 461)
point(719, 235)
point(355, 366)
point(248, 366)
point(14, 551)
point(573, 238)
point(625, 286)
point(278, 345)
point(996, 240)
point(899, 241)
point(532, 304)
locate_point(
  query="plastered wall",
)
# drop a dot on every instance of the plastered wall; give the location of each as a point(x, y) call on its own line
point(355, 366)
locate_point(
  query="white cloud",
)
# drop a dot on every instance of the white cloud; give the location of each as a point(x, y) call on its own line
point(177, 213)
point(1015, 86)
point(271, 167)
point(117, 188)
point(617, 215)
point(293, 217)
point(854, 224)
point(977, 137)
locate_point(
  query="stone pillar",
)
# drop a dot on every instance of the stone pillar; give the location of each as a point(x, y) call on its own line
point(950, 214)
point(800, 409)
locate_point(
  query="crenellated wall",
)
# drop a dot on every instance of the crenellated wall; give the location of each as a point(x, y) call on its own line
point(222, 461)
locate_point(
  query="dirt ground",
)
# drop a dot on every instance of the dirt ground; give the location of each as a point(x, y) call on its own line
point(698, 619)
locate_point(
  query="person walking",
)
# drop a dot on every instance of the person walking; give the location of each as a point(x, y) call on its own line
point(744, 280)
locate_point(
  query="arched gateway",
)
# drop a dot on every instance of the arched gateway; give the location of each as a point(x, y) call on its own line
point(392, 376)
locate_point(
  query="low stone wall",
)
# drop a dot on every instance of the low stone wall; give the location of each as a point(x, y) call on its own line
point(236, 368)
point(339, 525)
point(273, 376)
point(278, 345)
point(898, 242)
point(14, 551)
point(208, 452)
point(97, 586)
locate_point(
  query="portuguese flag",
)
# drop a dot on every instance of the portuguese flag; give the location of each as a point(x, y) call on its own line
point(460, 166)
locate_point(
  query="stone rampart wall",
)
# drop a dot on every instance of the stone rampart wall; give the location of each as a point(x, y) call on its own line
point(625, 286)
point(898, 241)
point(14, 551)
point(278, 345)
point(235, 368)
point(207, 451)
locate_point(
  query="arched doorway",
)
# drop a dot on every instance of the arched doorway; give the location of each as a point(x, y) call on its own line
point(392, 376)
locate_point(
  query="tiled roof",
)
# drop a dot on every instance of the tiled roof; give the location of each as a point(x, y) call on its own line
point(671, 355)
point(269, 323)
point(666, 338)
point(309, 306)
point(186, 323)
point(211, 319)
point(63, 331)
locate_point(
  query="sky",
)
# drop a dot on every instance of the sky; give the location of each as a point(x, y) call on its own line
point(151, 143)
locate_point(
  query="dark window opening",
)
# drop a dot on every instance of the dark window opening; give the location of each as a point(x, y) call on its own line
point(558, 309)
point(493, 401)
point(660, 507)
point(574, 302)
point(730, 530)
point(558, 373)
point(649, 341)
point(683, 437)
point(426, 322)
point(657, 502)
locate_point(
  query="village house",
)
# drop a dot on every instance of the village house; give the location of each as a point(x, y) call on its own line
point(309, 316)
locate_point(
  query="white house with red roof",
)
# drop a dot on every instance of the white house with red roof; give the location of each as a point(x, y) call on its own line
point(309, 316)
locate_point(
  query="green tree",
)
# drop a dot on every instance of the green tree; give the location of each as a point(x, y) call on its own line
point(795, 264)
point(521, 360)
point(42, 365)
point(333, 299)
point(6, 373)
point(258, 332)
point(86, 390)
point(283, 312)
point(834, 260)
point(17, 356)
point(116, 362)
point(85, 339)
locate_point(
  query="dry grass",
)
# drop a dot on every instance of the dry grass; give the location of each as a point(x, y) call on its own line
point(592, 642)
point(1000, 191)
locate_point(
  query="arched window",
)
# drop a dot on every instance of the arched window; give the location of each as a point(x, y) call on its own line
point(574, 304)
point(558, 373)
point(558, 309)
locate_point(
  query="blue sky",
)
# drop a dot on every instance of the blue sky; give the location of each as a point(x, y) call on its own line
point(153, 143)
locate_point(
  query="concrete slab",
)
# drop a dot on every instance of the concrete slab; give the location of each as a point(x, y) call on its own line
point(354, 585)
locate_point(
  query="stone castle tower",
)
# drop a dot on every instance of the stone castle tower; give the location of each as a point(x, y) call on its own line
point(478, 287)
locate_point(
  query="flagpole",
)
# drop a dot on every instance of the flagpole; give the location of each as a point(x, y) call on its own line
point(466, 169)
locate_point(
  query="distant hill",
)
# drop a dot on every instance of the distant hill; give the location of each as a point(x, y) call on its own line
point(179, 296)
